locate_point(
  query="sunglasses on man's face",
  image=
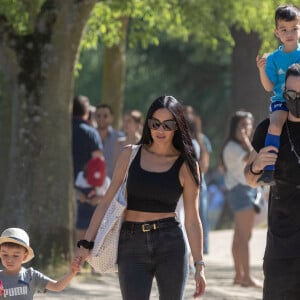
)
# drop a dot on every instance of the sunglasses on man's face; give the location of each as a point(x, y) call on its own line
point(167, 125)
point(291, 95)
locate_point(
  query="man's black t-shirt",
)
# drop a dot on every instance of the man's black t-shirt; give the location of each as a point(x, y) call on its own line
point(283, 240)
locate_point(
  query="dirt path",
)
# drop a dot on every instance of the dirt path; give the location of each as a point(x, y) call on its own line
point(219, 274)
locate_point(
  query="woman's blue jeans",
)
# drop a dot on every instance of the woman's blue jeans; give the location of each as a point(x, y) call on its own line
point(158, 253)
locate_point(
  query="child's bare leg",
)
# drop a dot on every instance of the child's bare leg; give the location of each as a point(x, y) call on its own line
point(277, 120)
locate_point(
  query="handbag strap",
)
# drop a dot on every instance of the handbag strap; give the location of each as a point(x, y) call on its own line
point(134, 151)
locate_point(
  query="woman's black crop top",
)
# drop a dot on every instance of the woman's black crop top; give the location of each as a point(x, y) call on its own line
point(153, 191)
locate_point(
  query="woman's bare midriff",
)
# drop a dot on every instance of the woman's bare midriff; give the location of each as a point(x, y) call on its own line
point(140, 216)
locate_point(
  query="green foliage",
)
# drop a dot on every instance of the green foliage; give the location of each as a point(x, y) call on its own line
point(20, 13)
point(209, 23)
point(257, 16)
point(88, 81)
point(104, 23)
point(147, 20)
point(154, 18)
point(192, 61)
point(195, 43)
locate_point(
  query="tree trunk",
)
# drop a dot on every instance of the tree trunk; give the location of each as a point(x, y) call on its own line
point(5, 121)
point(114, 75)
point(247, 90)
point(39, 193)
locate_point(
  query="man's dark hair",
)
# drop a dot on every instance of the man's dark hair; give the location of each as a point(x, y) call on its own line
point(81, 105)
point(104, 105)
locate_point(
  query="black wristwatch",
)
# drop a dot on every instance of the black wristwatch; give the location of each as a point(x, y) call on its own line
point(85, 244)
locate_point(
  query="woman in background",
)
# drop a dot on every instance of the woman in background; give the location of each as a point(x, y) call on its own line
point(132, 127)
point(240, 196)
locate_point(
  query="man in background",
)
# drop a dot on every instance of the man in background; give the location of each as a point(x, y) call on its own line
point(109, 135)
point(86, 140)
point(86, 145)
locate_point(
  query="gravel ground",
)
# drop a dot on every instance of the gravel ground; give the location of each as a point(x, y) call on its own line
point(219, 275)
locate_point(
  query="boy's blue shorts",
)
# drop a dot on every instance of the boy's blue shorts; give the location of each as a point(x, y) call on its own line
point(278, 105)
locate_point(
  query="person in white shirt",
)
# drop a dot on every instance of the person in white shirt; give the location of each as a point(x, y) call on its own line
point(235, 154)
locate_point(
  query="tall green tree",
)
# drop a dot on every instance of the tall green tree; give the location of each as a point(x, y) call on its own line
point(246, 89)
point(39, 42)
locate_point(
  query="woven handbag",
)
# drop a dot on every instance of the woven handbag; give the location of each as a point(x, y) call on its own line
point(103, 257)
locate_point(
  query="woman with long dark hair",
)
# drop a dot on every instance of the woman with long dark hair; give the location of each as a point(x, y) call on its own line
point(240, 197)
point(151, 240)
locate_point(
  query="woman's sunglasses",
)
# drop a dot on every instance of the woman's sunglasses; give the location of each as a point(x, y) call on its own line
point(291, 95)
point(167, 125)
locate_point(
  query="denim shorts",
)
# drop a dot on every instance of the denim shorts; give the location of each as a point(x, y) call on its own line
point(241, 197)
point(146, 252)
point(282, 279)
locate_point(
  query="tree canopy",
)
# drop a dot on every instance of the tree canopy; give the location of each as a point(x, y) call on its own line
point(208, 22)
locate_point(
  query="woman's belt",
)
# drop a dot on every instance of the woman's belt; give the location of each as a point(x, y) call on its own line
point(150, 225)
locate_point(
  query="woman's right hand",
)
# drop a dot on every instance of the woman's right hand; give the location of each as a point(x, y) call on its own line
point(245, 137)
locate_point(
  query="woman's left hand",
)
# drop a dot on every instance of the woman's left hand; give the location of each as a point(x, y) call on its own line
point(200, 283)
